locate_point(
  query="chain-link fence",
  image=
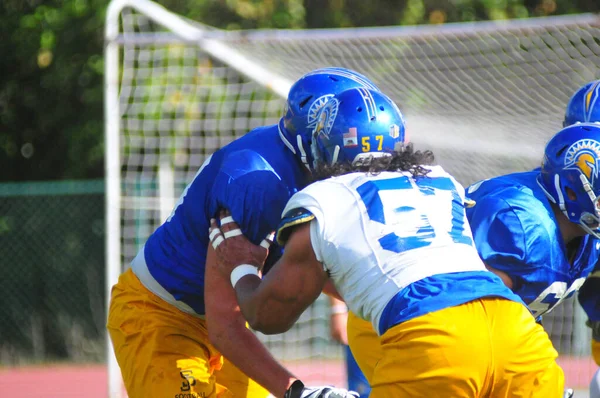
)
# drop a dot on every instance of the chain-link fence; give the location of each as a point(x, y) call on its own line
point(52, 282)
point(52, 276)
point(52, 272)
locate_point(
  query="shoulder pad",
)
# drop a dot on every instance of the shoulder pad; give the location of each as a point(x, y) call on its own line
point(290, 219)
point(469, 203)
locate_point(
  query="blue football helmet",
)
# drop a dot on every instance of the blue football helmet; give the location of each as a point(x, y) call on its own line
point(570, 174)
point(356, 124)
point(306, 97)
point(584, 105)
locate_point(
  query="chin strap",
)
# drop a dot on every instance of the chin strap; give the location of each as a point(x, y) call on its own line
point(336, 154)
point(561, 198)
point(302, 151)
point(285, 140)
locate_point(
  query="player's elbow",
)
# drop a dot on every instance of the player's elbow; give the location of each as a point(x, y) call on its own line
point(270, 325)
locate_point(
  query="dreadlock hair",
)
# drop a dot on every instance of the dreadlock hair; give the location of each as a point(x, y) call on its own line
point(407, 160)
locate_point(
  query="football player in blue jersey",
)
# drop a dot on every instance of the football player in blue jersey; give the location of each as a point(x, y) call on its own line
point(538, 230)
point(584, 106)
point(172, 319)
point(391, 234)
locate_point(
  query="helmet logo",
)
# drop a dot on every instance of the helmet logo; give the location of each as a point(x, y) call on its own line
point(326, 117)
point(590, 99)
point(583, 155)
point(315, 107)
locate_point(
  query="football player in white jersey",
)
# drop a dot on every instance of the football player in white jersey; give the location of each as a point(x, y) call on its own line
point(514, 216)
point(391, 234)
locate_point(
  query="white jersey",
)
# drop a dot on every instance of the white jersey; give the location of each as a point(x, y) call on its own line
point(377, 234)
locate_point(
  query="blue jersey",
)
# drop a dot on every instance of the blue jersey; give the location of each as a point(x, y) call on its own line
point(515, 231)
point(253, 177)
point(589, 295)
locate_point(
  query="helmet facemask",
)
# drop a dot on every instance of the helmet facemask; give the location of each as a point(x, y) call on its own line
point(590, 221)
point(584, 208)
point(570, 174)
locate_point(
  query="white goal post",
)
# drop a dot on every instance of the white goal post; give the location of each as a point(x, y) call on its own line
point(483, 96)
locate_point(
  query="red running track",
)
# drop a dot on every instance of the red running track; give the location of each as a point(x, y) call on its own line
point(89, 381)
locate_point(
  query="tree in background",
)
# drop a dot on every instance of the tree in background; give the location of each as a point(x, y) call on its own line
point(51, 118)
point(51, 89)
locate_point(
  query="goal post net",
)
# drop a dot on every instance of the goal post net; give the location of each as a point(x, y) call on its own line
point(484, 97)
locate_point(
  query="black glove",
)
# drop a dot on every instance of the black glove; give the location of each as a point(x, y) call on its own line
point(568, 393)
point(298, 390)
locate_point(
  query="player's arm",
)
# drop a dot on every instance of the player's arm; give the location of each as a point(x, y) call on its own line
point(245, 184)
point(338, 321)
point(272, 305)
point(253, 193)
point(287, 301)
point(330, 290)
point(229, 334)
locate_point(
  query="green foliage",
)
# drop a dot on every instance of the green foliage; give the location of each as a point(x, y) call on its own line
point(242, 14)
point(51, 70)
point(51, 89)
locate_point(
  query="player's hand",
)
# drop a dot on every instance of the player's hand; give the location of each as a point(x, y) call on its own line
point(232, 247)
point(299, 390)
point(338, 325)
point(338, 328)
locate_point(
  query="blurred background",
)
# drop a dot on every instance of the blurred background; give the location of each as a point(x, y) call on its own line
point(484, 95)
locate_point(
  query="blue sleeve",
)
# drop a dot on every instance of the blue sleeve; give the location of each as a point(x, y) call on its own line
point(589, 295)
point(252, 191)
point(507, 237)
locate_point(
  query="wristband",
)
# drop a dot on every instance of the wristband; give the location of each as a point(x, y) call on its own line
point(339, 309)
point(241, 271)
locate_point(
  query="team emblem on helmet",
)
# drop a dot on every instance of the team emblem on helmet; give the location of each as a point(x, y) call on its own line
point(327, 117)
point(582, 155)
point(315, 107)
point(591, 97)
